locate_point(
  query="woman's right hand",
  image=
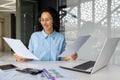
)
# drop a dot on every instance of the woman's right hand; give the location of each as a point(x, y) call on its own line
point(21, 59)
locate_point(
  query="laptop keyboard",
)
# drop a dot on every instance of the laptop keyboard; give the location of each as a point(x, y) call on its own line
point(85, 65)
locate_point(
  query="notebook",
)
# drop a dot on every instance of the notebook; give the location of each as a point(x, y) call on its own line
point(102, 60)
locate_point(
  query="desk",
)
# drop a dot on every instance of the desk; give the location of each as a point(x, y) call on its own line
point(110, 72)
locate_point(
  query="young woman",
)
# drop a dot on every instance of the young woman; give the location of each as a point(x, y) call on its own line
point(47, 44)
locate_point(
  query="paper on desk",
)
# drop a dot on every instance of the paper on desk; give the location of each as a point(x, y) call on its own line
point(58, 74)
point(19, 48)
point(78, 43)
point(8, 75)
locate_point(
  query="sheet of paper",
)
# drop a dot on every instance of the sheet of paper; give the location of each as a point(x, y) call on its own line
point(19, 48)
point(77, 44)
point(57, 73)
point(7, 75)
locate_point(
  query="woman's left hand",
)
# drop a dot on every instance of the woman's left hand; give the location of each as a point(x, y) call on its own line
point(74, 56)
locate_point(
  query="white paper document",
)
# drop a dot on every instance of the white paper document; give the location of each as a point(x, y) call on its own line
point(57, 73)
point(77, 44)
point(19, 48)
point(8, 75)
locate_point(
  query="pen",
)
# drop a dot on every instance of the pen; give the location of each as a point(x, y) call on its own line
point(48, 75)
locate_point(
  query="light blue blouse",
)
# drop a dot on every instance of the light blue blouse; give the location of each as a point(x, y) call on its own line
point(47, 47)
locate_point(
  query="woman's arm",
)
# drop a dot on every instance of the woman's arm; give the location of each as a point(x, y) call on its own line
point(21, 59)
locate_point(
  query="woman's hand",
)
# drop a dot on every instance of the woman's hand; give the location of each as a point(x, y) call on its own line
point(72, 57)
point(21, 59)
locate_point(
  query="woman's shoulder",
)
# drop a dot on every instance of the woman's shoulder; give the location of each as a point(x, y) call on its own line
point(36, 33)
point(60, 34)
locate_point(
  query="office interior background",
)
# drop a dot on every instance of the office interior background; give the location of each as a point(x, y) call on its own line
point(98, 18)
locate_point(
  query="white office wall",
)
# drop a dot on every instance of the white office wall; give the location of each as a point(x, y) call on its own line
point(98, 18)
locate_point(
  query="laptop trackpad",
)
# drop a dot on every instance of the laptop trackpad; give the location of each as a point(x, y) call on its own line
point(85, 66)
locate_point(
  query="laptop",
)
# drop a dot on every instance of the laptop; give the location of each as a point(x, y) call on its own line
point(102, 60)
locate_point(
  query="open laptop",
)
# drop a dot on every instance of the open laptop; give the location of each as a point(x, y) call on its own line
point(102, 60)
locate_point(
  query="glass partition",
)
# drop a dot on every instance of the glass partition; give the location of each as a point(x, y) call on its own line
point(98, 18)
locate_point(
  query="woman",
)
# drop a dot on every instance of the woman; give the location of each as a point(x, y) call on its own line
point(47, 44)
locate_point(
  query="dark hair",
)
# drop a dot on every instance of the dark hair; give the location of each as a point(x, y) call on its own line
point(55, 16)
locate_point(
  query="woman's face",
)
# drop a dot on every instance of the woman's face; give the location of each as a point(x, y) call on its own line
point(46, 21)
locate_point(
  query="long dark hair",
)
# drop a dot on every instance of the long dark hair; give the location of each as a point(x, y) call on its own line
point(55, 16)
